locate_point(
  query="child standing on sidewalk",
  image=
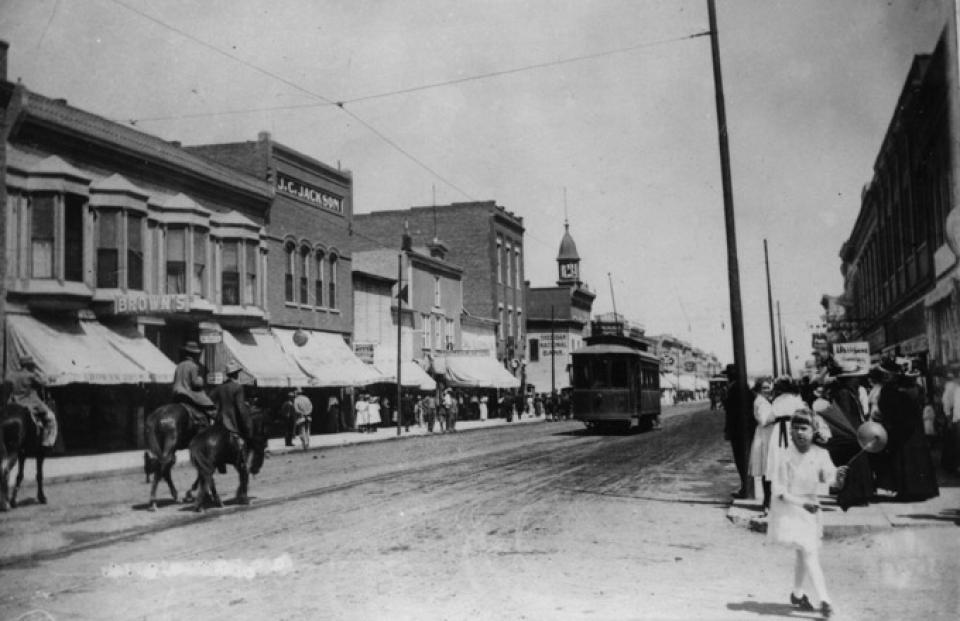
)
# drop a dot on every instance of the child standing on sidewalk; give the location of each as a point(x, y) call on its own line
point(795, 519)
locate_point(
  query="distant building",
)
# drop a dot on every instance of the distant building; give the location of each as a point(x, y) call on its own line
point(558, 319)
point(484, 239)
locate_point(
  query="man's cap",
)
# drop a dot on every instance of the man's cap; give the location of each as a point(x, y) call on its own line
point(233, 367)
point(191, 347)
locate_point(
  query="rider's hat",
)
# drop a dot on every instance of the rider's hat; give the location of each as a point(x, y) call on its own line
point(191, 347)
point(233, 367)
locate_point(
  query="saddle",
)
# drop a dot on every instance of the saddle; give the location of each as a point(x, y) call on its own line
point(199, 417)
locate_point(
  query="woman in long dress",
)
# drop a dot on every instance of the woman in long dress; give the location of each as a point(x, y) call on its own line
point(373, 413)
point(795, 521)
point(763, 414)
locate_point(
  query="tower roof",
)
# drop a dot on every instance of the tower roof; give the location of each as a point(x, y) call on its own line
point(568, 249)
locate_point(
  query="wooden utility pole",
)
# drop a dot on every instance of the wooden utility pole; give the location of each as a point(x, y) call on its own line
point(773, 335)
point(733, 268)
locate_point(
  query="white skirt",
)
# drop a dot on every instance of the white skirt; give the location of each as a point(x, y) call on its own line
point(793, 526)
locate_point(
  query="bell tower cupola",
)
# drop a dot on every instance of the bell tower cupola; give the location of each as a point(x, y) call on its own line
point(568, 261)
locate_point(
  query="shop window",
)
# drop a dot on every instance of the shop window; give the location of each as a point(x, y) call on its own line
point(41, 235)
point(108, 249)
point(250, 277)
point(288, 275)
point(135, 252)
point(332, 298)
point(304, 274)
point(176, 281)
point(318, 283)
point(199, 280)
point(230, 274)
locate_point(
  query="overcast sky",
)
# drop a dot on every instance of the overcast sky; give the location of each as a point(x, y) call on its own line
point(610, 102)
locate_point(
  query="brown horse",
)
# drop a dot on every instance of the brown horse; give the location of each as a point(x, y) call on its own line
point(168, 429)
point(19, 439)
point(212, 449)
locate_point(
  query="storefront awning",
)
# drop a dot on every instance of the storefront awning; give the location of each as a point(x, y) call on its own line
point(412, 374)
point(479, 371)
point(260, 354)
point(687, 382)
point(69, 351)
point(327, 359)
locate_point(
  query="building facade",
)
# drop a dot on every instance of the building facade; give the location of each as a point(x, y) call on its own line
point(484, 239)
point(118, 248)
point(558, 319)
point(899, 295)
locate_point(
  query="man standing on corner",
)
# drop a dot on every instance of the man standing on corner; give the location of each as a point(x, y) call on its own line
point(733, 429)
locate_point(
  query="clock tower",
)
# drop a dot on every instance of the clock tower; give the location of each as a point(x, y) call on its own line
point(568, 261)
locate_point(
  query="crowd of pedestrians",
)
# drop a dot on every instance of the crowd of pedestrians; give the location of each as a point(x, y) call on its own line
point(802, 438)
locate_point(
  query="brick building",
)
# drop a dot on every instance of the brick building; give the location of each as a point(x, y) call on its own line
point(485, 240)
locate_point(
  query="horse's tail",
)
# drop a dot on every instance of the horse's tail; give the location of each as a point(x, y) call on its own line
point(201, 458)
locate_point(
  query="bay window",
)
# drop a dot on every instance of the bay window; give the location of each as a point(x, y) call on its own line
point(134, 251)
point(252, 253)
point(74, 207)
point(108, 249)
point(230, 273)
point(199, 279)
point(176, 260)
point(41, 235)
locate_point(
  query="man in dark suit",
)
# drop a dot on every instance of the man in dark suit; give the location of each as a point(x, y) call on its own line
point(231, 407)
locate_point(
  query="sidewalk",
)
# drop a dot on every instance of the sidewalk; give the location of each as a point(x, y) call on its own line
point(944, 510)
point(80, 467)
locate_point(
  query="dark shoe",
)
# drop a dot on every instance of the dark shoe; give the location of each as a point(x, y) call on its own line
point(801, 602)
point(826, 610)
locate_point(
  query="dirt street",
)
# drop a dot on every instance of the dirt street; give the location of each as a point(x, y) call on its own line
point(520, 522)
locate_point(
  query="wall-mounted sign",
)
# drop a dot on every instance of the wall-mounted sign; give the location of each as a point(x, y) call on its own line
point(315, 196)
point(667, 360)
point(689, 366)
point(140, 304)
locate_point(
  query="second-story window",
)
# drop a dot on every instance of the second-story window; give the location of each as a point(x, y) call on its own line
point(108, 249)
point(134, 251)
point(451, 334)
point(251, 256)
point(332, 298)
point(199, 278)
point(176, 281)
point(230, 274)
point(436, 291)
point(41, 235)
point(424, 331)
point(73, 237)
point(318, 282)
point(290, 251)
point(304, 274)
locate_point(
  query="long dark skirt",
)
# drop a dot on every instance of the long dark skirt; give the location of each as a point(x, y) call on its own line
point(859, 487)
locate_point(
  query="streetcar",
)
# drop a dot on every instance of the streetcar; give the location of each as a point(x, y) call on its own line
point(615, 381)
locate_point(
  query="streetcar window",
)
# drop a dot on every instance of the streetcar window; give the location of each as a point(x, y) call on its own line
point(619, 374)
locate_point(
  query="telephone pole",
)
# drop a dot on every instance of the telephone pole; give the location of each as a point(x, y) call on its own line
point(773, 335)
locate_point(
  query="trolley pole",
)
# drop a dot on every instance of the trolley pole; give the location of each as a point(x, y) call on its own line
point(733, 267)
point(773, 335)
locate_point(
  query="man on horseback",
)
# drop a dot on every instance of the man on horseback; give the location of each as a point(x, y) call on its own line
point(231, 408)
point(24, 388)
point(188, 385)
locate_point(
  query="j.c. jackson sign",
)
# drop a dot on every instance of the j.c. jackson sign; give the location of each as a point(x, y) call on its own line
point(321, 199)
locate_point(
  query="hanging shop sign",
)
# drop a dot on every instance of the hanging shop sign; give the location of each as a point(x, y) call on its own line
point(139, 304)
point(310, 194)
point(853, 358)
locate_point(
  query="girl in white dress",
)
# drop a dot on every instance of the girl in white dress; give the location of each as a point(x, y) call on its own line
point(763, 413)
point(795, 519)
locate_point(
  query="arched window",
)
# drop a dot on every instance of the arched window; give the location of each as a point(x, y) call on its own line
point(290, 251)
point(318, 283)
point(304, 274)
point(332, 280)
